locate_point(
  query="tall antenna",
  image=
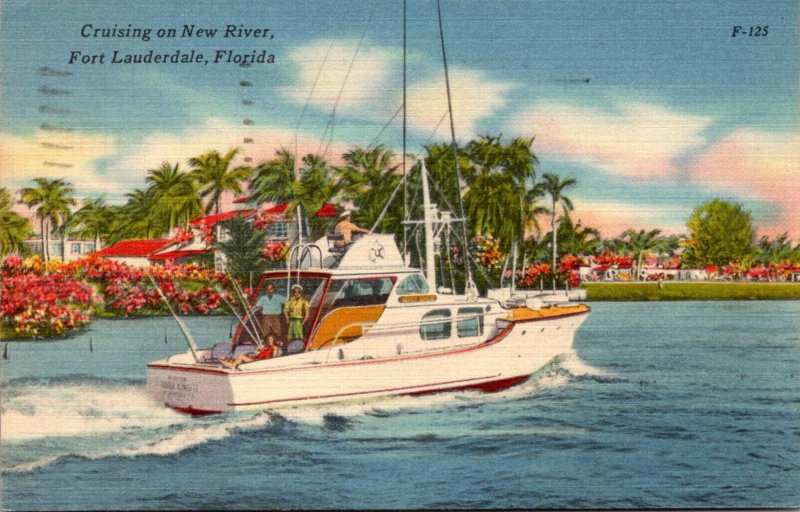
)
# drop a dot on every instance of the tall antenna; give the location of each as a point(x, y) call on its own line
point(405, 117)
point(470, 288)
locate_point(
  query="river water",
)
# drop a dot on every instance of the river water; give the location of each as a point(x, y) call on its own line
point(688, 404)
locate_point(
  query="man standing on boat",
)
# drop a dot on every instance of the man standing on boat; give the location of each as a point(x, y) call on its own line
point(271, 305)
point(297, 310)
point(347, 228)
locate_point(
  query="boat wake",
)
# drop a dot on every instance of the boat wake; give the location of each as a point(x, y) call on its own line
point(47, 421)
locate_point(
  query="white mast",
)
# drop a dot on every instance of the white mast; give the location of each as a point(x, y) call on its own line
point(430, 263)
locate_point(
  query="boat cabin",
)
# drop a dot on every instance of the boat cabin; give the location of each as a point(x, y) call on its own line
point(350, 296)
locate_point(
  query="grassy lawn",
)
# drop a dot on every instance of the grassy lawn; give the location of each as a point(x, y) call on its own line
point(692, 291)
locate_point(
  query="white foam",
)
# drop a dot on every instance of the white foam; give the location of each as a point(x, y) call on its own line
point(89, 417)
point(167, 442)
point(74, 409)
point(577, 367)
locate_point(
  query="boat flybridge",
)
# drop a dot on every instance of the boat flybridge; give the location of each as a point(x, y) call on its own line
point(375, 327)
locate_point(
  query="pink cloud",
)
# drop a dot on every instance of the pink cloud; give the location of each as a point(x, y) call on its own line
point(761, 166)
point(612, 218)
point(637, 140)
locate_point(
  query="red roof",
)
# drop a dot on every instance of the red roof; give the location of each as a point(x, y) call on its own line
point(280, 208)
point(135, 248)
point(174, 255)
point(327, 210)
point(212, 220)
point(240, 200)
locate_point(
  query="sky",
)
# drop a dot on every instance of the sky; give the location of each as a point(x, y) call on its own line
point(653, 107)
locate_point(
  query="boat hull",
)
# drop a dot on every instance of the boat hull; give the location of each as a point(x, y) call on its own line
point(518, 349)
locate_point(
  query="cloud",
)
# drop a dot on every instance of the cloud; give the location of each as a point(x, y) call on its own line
point(758, 165)
point(68, 155)
point(473, 95)
point(373, 87)
point(611, 218)
point(635, 139)
point(326, 65)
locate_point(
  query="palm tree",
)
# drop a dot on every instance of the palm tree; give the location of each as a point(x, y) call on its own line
point(577, 239)
point(369, 177)
point(14, 228)
point(135, 219)
point(276, 181)
point(176, 194)
point(640, 242)
point(52, 199)
point(777, 249)
point(506, 173)
point(212, 171)
point(94, 220)
point(554, 187)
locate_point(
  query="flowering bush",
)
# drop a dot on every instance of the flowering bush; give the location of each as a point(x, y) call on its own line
point(275, 252)
point(264, 219)
point(206, 233)
point(533, 274)
point(183, 236)
point(39, 303)
point(52, 299)
point(487, 251)
point(608, 258)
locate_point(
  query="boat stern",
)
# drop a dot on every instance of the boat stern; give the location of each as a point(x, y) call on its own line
point(191, 389)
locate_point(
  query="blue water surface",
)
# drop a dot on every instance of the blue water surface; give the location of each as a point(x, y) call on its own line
point(690, 404)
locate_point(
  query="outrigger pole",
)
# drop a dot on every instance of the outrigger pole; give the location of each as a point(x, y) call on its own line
point(247, 310)
point(185, 330)
point(256, 339)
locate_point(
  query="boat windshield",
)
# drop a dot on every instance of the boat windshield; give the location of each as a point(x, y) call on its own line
point(269, 312)
point(413, 284)
point(359, 292)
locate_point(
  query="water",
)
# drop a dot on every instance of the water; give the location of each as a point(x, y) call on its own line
point(660, 405)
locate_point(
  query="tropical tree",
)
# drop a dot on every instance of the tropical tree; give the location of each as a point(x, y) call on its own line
point(554, 187)
point(243, 248)
point(175, 195)
point(135, 218)
point(574, 238)
point(52, 200)
point(276, 181)
point(94, 220)
point(14, 228)
point(777, 250)
point(368, 178)
point(720, 232)
point(440, 164)
point(212, 171)
point(506, 173)
point(639, 242)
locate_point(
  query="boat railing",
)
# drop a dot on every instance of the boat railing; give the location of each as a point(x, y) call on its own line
point(371, 327)
point(299, 253)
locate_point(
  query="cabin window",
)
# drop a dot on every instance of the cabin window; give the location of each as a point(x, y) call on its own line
point(436, 325)
point(359, 292)
point(470, 322)
point(76, 248)
point(414, 283)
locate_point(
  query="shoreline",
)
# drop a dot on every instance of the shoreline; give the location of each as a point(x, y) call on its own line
point(687, 291)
